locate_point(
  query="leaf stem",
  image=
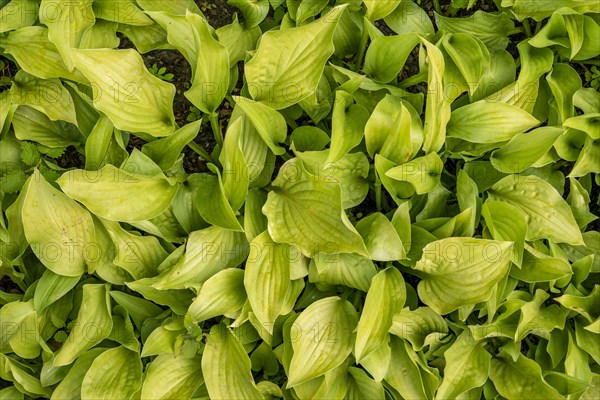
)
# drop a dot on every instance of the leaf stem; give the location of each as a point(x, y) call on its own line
point(527, 27)
point(377, 192)
point(216, 128)
point(200, 151)
point(362, 48)
point(590, 62)
point(437, 7)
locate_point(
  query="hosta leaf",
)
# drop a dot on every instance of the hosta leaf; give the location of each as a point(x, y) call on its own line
point(467, 367)
point(226, 367)
point(326, 347)
point(381, 238)
point(419, 327)
point(307, 211)
point(437, 108)
point(93, 324)
point(19, 14)
point(166, 151)
point(172, 377)
point(461, 271)
point(408, 374)
point(385, 297)
point(59, 231)
point(119, 195)
point(208, 251)
point(408, 17)
point(351, 172)
point(46, 95)
point(289, 63)
point(377, 9)
point(422, 173)
point(506, 222)
point(524, 149)
point(66, 24)
point(23, 42)
point(114, 374)
point(269, 124)
point(222, 294)
point(348, 123)
point(52, 287)
point(489, 122)
point(211, 73)
point(547, 214)
point(387, 55)
point(126, 92)
point(122, 11)
point(267, 278)
point(520, 379)
point(491, 29)
point(539, 267)
point(345, 269)
point(360, 386)
point(470, 56)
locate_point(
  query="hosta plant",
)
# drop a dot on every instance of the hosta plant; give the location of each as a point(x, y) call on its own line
point(399, 200)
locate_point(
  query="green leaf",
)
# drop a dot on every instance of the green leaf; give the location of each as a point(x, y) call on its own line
point(172, 377)
point(547, 213)
point(387, 55)
point(360, 386)
point(114, 374)
point(467, 367)
point(408, 17)
point(59, 231)
point(437, 109)
point(30, 154)
point(394, 130)
point(48, 63)
point(380, 9)
point(381, 238)
point(326, 347)
point(289, 63)
point(93, 324)
point(348, 123)
point(346, 269)
point(461, 271)
point(126, 92)
point(270, 124)
point(52, 287)
point(520, 378)
point(314, 205)
point(524, 149)
point(419, 327)
point(539, 267)
point(385, 298)
point(211, 70)
point(226, 367)
point(208, 251)
point(350, 172)
point(422, 173)
point(492, 29)
point(122, 11)
point(19, 14)
point(166, 151)
point(508, 223)
point(66, 25)
point(309, 138)
point(489, 122)
point(267, 278)
point(119, 195)
point(408, 374)
point(470, 56)
point(221, 294)
point(48, 96)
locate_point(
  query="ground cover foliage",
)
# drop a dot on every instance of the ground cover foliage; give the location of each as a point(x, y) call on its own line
point(397, 201)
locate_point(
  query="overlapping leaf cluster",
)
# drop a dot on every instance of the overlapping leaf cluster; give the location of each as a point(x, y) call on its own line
point(354, 237)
